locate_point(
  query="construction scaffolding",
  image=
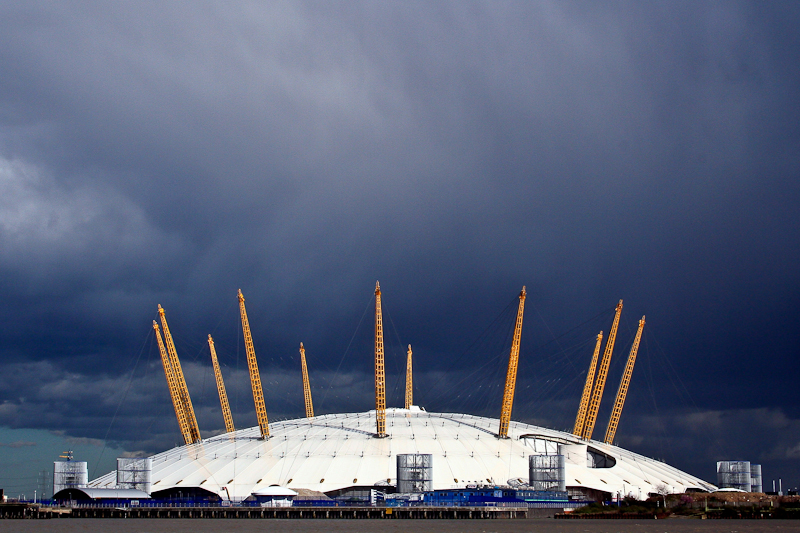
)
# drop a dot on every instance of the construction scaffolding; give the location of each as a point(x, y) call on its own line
point(134, 473)
point(414, 472)
point(70, 475)
point(756, 481)
point(734, 475)
point(547, 472)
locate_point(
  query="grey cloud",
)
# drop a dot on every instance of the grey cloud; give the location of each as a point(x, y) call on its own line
point(17, 444)
point(171, 154)
point(696, 440)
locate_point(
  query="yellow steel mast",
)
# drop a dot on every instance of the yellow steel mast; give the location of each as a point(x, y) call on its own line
point(587, 389)
point(380, 371)
point(622, 392)
point(255, 377)
point(306, 384)
point(174, 392)
point(511, 373)
point(409, 381)
point(179, 379)
point(223, 396)
point(602, 374)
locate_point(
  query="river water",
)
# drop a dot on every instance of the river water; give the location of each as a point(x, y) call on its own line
point(674, 525)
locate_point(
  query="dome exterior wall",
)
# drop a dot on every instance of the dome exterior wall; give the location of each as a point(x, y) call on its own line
point(337, 451)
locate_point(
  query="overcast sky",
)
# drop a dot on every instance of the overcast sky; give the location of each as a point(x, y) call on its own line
point(172, 153)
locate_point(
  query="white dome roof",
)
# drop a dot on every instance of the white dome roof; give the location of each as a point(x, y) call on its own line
point(336, 451)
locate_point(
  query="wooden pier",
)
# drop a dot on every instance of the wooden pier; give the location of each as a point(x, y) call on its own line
point(35, 511)
point(348, 513)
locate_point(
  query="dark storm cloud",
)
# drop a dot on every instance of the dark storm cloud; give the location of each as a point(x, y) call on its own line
point(173, 153)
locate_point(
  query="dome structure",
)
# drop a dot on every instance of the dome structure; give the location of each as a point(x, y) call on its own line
point(337, 451)
point(275, 492)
